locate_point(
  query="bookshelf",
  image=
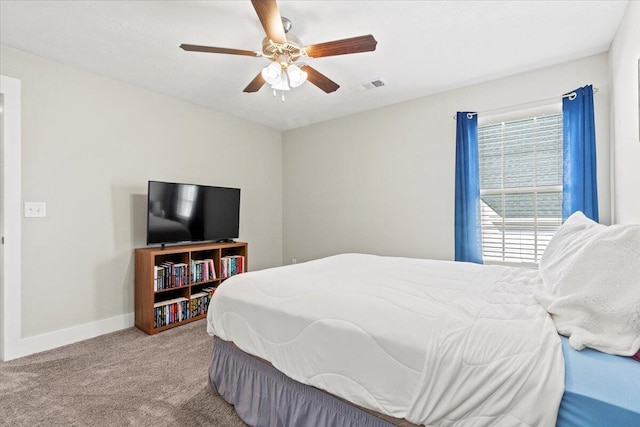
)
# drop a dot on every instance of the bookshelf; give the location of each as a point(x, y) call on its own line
point(173, 285)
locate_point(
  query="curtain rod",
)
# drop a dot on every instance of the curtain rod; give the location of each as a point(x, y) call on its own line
point(571, 96)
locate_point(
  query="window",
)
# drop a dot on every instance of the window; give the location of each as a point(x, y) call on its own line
point(520, 187)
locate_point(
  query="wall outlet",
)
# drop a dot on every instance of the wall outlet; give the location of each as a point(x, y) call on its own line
point(35, 209)
point(294, 261)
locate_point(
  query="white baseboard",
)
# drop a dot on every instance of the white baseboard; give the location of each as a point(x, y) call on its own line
point(51, 340)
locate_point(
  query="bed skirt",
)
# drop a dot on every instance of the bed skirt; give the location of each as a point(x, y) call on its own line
point(264, 396)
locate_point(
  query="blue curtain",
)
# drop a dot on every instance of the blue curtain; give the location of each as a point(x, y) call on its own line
point(468, 236)
point(580, 192)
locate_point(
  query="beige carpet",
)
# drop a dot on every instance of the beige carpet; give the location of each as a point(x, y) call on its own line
point(126, 378)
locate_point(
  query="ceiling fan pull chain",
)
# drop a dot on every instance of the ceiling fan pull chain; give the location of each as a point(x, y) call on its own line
point(283, 97)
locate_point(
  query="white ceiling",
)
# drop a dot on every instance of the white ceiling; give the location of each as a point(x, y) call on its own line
point(424, 47)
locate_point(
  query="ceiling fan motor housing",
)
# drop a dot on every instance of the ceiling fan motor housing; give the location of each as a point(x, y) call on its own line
point(290, 51)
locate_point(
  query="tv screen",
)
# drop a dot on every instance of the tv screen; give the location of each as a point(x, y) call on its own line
point(189, 213)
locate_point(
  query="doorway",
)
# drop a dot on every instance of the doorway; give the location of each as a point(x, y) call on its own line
point(10, 199)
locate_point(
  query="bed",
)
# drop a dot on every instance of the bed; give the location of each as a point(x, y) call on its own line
point(358, 340)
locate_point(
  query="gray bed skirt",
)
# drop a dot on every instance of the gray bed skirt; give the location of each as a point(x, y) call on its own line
point(264, 396)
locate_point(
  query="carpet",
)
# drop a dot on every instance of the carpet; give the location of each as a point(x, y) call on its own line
point(126, 378)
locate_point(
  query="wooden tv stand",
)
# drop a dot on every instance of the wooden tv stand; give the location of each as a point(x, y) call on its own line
point(173, 285)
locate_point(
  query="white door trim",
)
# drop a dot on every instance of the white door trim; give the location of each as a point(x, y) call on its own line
point(13, 345)
point(10, 292)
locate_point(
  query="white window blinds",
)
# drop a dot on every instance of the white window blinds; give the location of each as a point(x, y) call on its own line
point(520, 187)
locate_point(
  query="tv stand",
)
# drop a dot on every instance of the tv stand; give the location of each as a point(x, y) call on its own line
point(225, 241)
point(173, 285)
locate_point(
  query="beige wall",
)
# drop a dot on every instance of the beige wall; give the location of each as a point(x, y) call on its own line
point(623, 58)
point(89, 146)
point(382, 182)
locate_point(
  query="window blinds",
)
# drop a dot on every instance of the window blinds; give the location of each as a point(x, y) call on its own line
point(520, 187)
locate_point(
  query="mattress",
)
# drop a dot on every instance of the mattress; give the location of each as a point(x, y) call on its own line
point(433, 342)
point(600, 389)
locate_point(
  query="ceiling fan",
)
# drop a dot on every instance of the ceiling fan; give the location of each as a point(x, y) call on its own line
point(284, 49)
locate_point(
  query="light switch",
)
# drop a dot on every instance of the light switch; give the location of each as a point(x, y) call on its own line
point(35, 209)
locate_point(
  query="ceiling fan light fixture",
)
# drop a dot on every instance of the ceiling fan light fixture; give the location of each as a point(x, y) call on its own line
point(296, 75)
point(272, 73)
point(282, 83)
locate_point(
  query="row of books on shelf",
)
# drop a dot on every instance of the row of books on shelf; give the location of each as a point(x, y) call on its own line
point(231, 265)
point(202, 270)
point(173, 275)
point(180, 309)
point(170, 275)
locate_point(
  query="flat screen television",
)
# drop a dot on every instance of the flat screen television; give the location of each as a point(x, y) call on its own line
point(191, 213)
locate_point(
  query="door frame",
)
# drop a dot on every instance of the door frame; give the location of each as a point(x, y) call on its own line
point(10, 286)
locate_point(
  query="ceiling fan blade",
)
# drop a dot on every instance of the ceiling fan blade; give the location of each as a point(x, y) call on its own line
point(211, 49)
point(270, 19)
point(342, 47)
point(317, 78)
point(255, 84)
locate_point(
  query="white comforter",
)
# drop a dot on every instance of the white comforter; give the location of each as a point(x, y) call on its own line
point(435, 342)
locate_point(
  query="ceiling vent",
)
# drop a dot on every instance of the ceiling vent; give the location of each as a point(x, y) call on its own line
point(377, 83)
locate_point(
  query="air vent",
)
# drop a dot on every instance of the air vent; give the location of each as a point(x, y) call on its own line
point(377, 83)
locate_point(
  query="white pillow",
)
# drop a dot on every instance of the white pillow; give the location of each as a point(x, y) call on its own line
point(591, 284)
